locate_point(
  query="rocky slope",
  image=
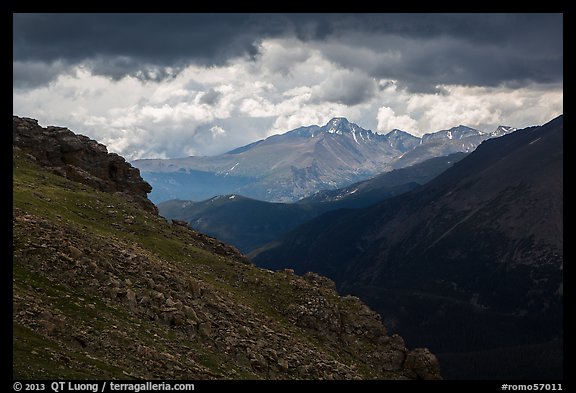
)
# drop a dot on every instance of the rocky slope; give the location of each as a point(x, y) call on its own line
point(103, 288)
point(470, 262)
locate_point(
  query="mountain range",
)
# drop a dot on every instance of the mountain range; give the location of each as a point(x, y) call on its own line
point(462, 254)
point(248, 223)
point(470, 263)
point(104, 288)
point(441, 143)
point(298, 163)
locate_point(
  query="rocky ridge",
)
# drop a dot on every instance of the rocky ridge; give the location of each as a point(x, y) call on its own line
point(105, 289)
point(80, 159)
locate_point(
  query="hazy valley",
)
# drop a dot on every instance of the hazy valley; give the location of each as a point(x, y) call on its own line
point(249, 224)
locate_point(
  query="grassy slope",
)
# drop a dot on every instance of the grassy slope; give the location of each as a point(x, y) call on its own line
point(73, 245)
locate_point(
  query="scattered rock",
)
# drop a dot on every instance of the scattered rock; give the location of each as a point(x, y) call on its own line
point(318, 280)
point(205, 329)
point(423, 363)
point(283, 365)
point(74, 252)
point(131, 297)
point(393, 361)
point(181, 223)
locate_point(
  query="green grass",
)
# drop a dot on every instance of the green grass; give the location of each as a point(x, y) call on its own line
point(109, 218)
point(90, 211)
point(36, 357)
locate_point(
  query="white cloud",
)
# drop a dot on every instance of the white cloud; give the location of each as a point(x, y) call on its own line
point(388, 120)
point(217, 132)
point(485, 107)
point(210, 110)
point(257, 107)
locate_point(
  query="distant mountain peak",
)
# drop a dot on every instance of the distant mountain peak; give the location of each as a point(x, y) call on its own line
point(338, 120)
point(463, 128)
point(341, 125)
point(456, 133)
point(292, 165)
point(337, 125)
point(396, 132)
point(503, 130)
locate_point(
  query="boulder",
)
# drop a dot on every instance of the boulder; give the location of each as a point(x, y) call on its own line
point(423, 363)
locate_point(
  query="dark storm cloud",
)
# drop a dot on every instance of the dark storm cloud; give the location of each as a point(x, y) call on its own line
point(34, 74)
point(118, 67)
point(348, 89)
point(141, 45)
point(422, 66)
point(475, 49)
point(422, 51)
point(156, 38)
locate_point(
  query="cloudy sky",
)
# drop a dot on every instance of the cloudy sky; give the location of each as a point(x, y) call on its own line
point(173, 85)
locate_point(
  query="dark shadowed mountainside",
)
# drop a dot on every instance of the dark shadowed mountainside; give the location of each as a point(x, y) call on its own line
point(470, 262)
point(376, 189)
point(248, 223)
point(243, 222)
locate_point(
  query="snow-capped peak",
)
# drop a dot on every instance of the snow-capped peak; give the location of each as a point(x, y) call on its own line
point(456, 133)
point(339, 125)
point(503, 130)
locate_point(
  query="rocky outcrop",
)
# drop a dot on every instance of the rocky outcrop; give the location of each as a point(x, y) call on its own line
point(80, 159)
